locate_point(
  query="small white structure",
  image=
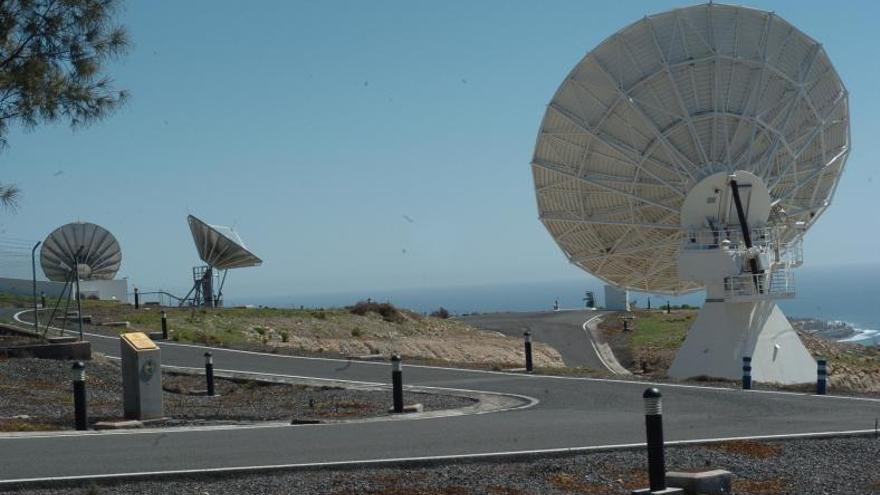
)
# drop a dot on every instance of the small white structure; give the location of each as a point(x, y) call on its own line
point(115, 290)
point(616, 299)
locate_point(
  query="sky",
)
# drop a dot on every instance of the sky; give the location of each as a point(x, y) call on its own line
point(357, 145)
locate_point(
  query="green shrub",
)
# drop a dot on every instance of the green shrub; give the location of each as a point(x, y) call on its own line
point(442, 313)
point(386, 310)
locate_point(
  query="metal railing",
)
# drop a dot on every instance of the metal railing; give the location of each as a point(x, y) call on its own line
point(774, 284)
point(160, 297)
point(767, 240)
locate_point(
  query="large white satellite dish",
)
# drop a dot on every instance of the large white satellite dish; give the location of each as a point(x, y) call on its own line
point(692, 149)
point(221, 248)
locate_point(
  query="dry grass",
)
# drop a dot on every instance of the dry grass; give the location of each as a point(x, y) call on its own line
point(25, 425)
point(759, 487)
point(747, 448)
point(575, 484)
point(503, 490)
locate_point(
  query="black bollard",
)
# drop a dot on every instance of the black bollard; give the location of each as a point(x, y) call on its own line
point(137, 299)
point(654, 428)
point(164, 326)
point(747, 373)
point(527, 337)
point(42, 299)
point(397, 383)
point(80, 409)
point(209, 373)
point(822, 380)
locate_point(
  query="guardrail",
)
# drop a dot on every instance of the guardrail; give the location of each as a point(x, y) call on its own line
point(774, 284)
point(767, 240)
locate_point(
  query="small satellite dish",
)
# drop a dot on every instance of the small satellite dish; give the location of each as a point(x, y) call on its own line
point(83, 249)
point(683, 129)
point(73, 252)
point(221, 248)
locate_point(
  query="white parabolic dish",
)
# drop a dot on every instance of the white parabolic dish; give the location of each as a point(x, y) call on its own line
point(90, 247)
point(220, 247)
point(668, 101)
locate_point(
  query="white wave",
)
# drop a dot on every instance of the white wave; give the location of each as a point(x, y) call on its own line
point(864, 336)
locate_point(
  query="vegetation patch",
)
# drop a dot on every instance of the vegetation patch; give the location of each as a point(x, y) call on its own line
point(386, 310)
point(747, 448)
point(571, 483)
point(760, 487)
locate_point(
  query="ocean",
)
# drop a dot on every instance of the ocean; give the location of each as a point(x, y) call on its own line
point(847, 293)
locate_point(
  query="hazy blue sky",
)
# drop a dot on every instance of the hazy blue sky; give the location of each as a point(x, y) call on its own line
point(316, 128)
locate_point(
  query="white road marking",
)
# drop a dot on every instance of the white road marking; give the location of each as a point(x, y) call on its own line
point(596, 348)
point(420, 459)
point(501, 373)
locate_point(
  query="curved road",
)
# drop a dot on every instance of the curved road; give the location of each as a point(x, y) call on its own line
point(572, 413)
point(562, 330)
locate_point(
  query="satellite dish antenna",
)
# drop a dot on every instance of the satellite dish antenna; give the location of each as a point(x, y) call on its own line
point(221, 248)
point(692, 150)
point(78, 251)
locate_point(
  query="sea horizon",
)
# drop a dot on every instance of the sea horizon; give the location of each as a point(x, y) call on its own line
point(844, 293)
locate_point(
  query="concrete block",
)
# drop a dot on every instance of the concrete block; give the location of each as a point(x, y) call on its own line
point(78, 351)
point(141, 377)
point(713, 482)
point(118, 425)
point(411, 408)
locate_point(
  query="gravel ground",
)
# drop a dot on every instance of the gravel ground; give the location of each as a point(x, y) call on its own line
point(35, 394)
point(827, 466)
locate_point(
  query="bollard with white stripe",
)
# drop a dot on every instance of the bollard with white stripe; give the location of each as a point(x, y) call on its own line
point(656, 456)
point(822, 380)
point(164, 326)
point(397, 383)
point(527, 338)
point(654, 428)
point(209, 373)
point(747, 373)
point(80, 408)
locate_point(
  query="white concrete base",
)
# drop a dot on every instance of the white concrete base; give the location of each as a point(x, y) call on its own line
point(725, 332)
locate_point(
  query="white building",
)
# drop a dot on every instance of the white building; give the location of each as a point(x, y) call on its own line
point(616, 299)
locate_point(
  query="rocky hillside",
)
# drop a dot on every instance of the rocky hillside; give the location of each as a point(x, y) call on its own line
point(374, 330)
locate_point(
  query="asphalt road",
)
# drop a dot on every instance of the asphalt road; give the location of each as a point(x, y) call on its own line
point(562, 330)
point(571, 413)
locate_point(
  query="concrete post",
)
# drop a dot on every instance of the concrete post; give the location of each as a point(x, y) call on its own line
point(527, 337)
point(80, 407)
point(821, 382)
point(397, 383)
point(654, 429)
point(209, 373)
point(747, 373)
